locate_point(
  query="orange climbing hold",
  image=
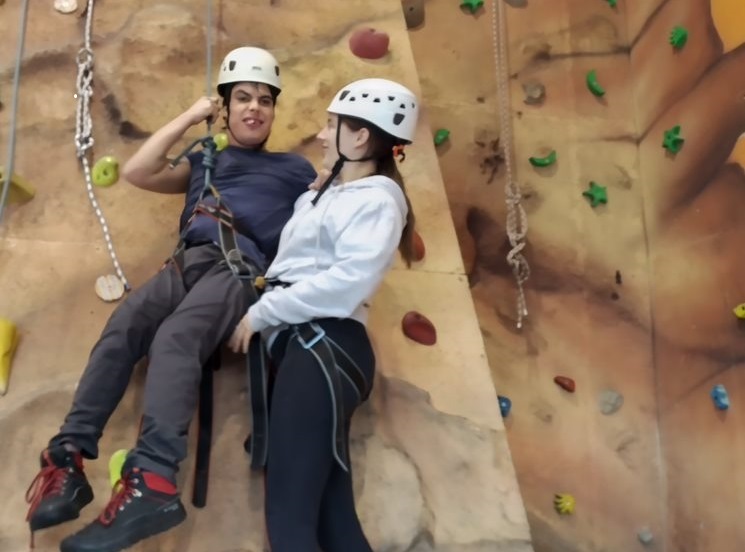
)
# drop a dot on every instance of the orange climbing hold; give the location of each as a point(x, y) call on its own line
point(417, 328)
point(419, 249)
point(567, 384)
point(368, 43)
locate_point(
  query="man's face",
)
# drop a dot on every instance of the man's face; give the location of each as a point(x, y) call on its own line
point(251, 114)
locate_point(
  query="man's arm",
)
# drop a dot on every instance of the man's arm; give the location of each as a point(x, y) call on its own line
point(148, 168)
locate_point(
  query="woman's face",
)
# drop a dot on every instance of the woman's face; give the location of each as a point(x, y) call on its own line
point(251, 113)
point(352, 143)
point(327, 137)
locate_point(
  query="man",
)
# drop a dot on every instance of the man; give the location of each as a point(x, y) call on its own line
point(180, 316)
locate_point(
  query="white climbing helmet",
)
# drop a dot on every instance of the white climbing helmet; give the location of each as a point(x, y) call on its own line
point(249, 64)
point(388, 105)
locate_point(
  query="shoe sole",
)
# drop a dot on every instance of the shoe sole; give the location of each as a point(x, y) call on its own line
point(84, 496)
point(150, 529)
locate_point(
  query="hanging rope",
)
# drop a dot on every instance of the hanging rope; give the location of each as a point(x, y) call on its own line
point(8, 174)
point(84, 133)
point(208, 88)
point(517, 220)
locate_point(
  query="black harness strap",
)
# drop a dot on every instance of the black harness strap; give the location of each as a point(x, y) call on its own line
point(312, 338)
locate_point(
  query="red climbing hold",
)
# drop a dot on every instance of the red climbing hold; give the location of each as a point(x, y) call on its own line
point(368, 43)
point(418, 328)
point(567, 384)
point(419, 248)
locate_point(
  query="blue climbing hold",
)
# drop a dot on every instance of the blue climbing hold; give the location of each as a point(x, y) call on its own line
point(505, 405)
point(720, 397)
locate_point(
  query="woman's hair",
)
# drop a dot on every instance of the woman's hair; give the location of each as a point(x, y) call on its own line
point(381, 151)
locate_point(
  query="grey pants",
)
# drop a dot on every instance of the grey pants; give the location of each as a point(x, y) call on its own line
point(177, 321)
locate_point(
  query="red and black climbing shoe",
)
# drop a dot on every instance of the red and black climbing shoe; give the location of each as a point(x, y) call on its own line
point(142, 505)
point(59, 491)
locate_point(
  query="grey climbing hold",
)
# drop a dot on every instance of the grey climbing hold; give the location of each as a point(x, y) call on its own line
point(413, 12)
point(610, 401)
point(535, 92)
point(645, 535)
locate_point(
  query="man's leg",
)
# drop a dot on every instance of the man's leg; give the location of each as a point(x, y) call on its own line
point(124, 342)
point(60, 490)
point(147, 501)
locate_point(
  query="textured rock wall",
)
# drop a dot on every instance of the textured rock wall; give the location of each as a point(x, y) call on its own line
point(432, 466)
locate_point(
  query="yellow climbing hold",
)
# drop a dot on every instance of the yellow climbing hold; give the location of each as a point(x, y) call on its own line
point(739, 311)
point(8, 344)
point(564, 503)
point(116, 462)
point(20, 190)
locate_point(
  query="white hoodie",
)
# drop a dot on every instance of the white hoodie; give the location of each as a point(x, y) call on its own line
point(335, 254)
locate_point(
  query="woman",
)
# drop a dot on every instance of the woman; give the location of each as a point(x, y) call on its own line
point(333, 255)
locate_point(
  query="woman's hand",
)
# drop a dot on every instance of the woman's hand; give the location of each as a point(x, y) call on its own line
point(320, 179)
point(241, 336)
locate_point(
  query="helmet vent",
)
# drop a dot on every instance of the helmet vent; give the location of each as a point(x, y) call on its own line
point(343, 94)
point(397, 118)
point(231, 65)
point(376, 100)
point(365, 95)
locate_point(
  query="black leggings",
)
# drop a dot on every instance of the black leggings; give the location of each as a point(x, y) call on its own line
point(309, 496)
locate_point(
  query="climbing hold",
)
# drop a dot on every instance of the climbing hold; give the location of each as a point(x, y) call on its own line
point(65, 6)
point(368, 43)
point(8, 344)
point(611, 3)
point(20, 190)
point(472, 5)
point(109, 288)
point(221, 141)
point(567, 384)
point(720, 397)
point(739, 311)
point(610, 402)
point(419, 249)
point(672, 141)
point(564, 503)
point(418, 328)
point(597, 194)
point(545, 161)
point(592, 83)
point(678, 37)
point(441, 136)
point(645, 535)
point(116, 462)
point(105, 171)
point(505, 405)
point(534, 92)
point(413, 12)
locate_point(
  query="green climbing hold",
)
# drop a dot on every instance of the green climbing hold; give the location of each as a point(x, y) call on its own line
point(592, 83)
point(597, 194)
point(472, 5)
point(116, 462)
point(611, 3)
point(546, 161)
point(105, 171)
point(678, 37)
point(441, 136)
point(672, 141)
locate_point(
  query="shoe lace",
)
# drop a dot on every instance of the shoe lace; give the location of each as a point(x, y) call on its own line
point(48, 482)
point(122, 494)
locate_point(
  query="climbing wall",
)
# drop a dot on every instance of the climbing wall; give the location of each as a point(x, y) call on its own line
point(632, 298)
point(433, 471)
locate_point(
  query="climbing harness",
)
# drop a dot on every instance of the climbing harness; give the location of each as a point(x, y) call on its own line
point(517, 221)
point(84, 133)
point(7, 176)
point(333, 361)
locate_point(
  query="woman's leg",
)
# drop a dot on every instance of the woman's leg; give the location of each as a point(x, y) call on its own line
point(302, 478)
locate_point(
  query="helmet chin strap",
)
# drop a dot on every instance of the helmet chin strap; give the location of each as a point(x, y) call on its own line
point(336, 169)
